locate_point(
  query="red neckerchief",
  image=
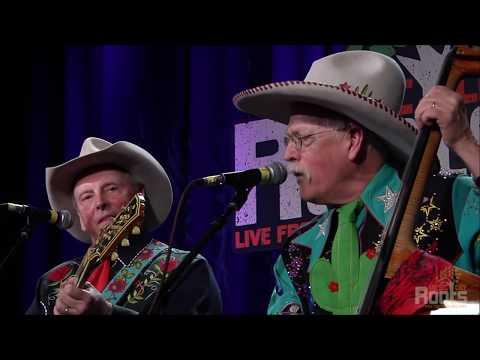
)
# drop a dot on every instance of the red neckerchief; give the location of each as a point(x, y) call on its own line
point(100, 276)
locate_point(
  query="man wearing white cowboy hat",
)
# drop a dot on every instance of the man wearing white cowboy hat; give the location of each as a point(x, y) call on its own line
point(95, 187)
point(346, 144)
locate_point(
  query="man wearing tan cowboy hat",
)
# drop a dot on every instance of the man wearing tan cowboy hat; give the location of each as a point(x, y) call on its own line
point(95, 187)
point(346, 144)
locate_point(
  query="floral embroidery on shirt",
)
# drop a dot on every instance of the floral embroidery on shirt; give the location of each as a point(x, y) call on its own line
point(117, 286)
point(152, 278)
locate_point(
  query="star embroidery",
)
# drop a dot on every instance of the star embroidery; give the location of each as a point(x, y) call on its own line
point(321, 231)
point(419, 234)
point(388, 199)
point(428, 207)
point(435, 224)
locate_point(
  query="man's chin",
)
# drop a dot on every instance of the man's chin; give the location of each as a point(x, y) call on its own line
point(306, 196)
point(311, 197)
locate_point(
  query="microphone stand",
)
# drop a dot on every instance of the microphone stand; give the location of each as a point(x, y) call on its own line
point(25, 234)
point(235, 204)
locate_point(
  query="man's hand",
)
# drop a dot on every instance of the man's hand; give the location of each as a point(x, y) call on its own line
point(74, 301)
point(447, 109)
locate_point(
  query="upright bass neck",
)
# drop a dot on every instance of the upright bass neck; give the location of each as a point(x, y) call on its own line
point(397, 240)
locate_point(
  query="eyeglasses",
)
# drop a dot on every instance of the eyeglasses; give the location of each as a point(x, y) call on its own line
point(300, 141)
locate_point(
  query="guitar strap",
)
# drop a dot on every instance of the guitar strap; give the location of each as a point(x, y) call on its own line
point(123, 279)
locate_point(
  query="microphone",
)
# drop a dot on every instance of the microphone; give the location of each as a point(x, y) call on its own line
point(62, 218)
point(273, 174)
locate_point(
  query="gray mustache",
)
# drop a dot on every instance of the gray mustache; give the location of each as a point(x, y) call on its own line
point(296, 170)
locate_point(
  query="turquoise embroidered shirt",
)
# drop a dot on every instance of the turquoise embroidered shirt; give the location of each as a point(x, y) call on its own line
point(379, 197)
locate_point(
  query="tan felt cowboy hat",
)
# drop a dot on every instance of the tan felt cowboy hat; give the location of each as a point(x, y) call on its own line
point(366, 86)
point(96, 152)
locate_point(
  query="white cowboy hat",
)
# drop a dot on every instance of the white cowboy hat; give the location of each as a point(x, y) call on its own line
point(96, 152)
point(366, 86)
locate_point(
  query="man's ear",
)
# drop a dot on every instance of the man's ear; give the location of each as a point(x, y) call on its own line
point(357, 148)
point(82, 226)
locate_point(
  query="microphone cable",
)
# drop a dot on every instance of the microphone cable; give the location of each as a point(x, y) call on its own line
point(181, 204)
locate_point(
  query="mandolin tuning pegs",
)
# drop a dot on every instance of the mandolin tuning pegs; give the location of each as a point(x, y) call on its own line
point(114, 256)
point(125, 242)
point(136, 230)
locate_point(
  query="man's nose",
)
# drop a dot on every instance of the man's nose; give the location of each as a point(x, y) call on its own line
point(291, 153)
point(101, 203)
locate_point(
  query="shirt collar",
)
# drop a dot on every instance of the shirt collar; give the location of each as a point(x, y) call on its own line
point(381, 194)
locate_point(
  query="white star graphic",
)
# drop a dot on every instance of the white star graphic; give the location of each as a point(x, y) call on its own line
point(388, 199)
point(425, 70)
point(321, 232)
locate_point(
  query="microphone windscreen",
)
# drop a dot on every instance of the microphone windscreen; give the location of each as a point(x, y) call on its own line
point(279, 173)
point(65, 220)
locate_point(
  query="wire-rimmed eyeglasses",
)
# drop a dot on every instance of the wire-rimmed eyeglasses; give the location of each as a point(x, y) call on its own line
point(300, 141)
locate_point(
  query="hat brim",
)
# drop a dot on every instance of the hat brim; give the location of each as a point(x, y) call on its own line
point(274, 101)
point(139, 163)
